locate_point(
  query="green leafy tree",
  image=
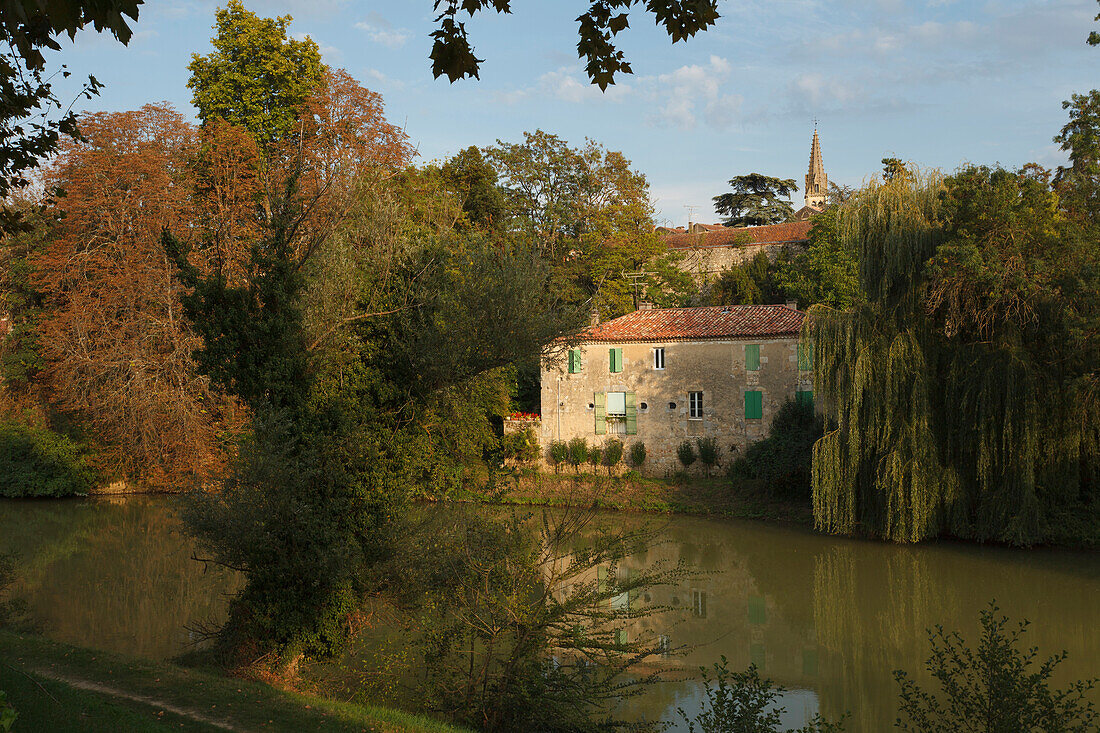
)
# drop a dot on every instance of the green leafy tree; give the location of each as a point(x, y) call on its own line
point(962, 384)
point(1079, 183)
point(997, 687)
point(578, 452)
point(257, 77)
point(558, 453)
point(781, 463)
point(827, 272)
point(637, 454)
point(758, 281)
point(474, 181)
point(453, 56)
point(756, 199)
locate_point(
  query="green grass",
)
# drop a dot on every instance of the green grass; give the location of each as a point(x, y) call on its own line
point(41, 680)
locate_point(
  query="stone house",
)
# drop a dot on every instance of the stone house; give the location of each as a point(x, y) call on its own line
point(662, 376)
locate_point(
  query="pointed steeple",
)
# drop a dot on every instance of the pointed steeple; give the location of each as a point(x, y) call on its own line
point(817, 183)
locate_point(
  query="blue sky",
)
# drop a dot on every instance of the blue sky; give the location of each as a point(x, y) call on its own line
point(939, 82)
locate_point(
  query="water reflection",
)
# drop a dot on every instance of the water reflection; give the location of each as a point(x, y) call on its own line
point(828, 618)
point(112, 574)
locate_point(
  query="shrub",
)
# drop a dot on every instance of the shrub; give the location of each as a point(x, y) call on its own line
point(782, 461)
point(686, 453)
point(993, 685)
point(595, 457)
point(558, 453)
point(7, 713)
point(612, 454)
point(578, 452)
point(523, 446)
point(708, 452)
point(37, 462)
point(637, 454)
point(746, 703)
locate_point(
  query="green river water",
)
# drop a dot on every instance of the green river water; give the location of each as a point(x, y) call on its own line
point(828, 618)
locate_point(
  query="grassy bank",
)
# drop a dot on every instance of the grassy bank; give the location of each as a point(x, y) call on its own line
point(63, 688)
point(699, 496)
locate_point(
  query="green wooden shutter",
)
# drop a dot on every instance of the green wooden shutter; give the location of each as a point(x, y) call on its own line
point(754, 405)
point(615, 357)
point(804, 397)
point(601, 580)
point(631, 415)
point(574, 361)
point(805, 357)
point(752, 357)
point(601, 413)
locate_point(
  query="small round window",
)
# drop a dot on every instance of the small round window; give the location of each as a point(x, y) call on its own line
point(645, 406)
point(590, 406)
point(672, 405)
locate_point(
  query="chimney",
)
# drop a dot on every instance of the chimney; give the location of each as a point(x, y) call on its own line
point(792, 304)
point(594, 317)
point(645, 305)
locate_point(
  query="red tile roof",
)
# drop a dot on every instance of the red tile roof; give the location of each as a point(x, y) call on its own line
point(791, 231)
point(709, 322)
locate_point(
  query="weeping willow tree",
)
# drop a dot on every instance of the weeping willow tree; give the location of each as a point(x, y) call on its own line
point(963, 386)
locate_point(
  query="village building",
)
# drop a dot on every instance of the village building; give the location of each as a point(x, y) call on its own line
point(708, 249)
point(663, 376)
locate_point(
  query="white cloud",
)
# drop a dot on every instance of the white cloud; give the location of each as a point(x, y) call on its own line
point(569, 86)
point(384, 35)
point(383, 80)
point(689, 91)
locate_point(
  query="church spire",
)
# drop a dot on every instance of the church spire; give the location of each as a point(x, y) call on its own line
point(817, 183)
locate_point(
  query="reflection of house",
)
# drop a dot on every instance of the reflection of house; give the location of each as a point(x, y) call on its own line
point(710, 248)
point(662, 376)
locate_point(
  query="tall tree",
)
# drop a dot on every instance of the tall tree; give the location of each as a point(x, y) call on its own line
point(116, 349)
point(257, 77)
point(827, 272)
point(472, 177)
point(1079, 183)
point(964, 385)
point(756, 199)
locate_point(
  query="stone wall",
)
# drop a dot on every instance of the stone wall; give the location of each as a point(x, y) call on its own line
point(706, 263)
point(715, 367)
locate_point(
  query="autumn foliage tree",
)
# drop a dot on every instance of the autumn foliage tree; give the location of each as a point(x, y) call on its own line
point(116, 349)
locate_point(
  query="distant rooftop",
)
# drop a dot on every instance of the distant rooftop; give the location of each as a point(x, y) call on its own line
point(789, 232)
point(706, 322)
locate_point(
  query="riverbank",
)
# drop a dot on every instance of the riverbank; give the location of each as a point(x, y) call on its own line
point(696, 496)
point(59, 687)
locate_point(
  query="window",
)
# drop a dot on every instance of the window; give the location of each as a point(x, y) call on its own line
point(752, 357)
point(754, 405)
point(659, 358)
point(804, 397)
point(574, 361)
point(695, 405)
point(616, 413)
point(805, 357)
point(615, 357)
point(699, 603)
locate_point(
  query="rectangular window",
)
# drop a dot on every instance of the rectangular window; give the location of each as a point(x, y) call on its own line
point(615, 356)
point(659, 358)
point(804, 397)
point(699, 603)
point(754, 405)
point(752, 357)
point(620, 414)
point(805, 357)
point(695, 405)
point(574, 361)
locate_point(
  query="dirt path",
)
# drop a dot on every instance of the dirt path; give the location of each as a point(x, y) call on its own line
point(195, 715)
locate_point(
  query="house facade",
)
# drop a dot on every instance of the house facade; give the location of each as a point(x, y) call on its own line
point(662, 376)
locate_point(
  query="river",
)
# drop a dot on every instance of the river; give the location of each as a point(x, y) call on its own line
point(828, 618)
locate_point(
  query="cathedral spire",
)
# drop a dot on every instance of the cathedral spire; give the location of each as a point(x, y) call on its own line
point(817, 183)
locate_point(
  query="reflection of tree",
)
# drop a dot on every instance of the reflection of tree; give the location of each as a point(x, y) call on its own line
point(117, 576)
point(873, 604)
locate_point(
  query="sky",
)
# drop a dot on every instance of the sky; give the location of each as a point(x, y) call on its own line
point(941, 83)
